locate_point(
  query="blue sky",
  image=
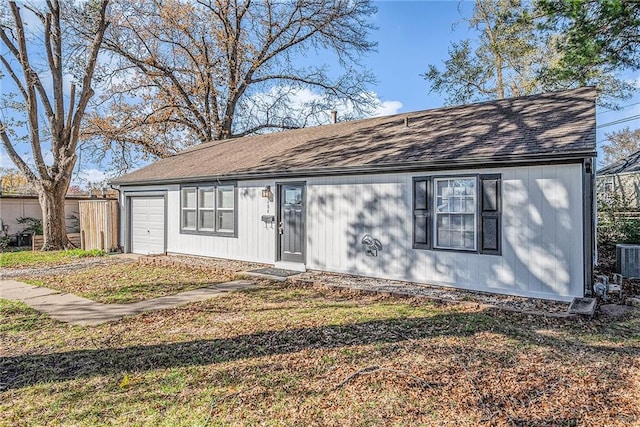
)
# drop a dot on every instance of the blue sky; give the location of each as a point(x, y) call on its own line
point(410, 36)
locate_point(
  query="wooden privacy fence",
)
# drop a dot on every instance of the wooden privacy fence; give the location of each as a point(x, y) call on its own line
point(99, 224)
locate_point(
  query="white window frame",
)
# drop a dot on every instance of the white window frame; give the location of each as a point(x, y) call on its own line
point(216, 231)
point(437, 214)
point(184, 209)
point(608, 186)
point(201, 208)
point(221, 209)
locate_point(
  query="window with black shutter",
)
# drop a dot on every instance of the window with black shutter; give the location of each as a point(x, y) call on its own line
point(490, 214)
point(422, 213)
point(458, 213)
point(455, 213)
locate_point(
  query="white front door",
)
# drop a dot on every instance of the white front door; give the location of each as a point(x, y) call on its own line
point(147, 225)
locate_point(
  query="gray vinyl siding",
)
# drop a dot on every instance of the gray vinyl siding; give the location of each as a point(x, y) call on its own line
point(542, 231)
point(541, 240)
point(254, 241)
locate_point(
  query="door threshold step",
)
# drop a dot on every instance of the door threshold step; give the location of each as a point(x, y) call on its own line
point(288, 265)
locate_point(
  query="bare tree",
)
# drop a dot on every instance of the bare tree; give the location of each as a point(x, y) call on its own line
point(40, 86)
point(620, 144)
point(195, 71)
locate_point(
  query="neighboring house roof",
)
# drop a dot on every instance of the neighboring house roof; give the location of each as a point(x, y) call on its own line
point(532, 128)
point(629, 164)
point(67, 197)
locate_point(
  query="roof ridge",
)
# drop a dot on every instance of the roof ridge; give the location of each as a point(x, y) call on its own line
point(513, 127)
point(389, 117)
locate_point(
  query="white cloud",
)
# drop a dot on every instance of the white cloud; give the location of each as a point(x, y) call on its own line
point(5, 161)
point(302, 96)
point(299, 101)
point(387, 108)
point(80, 178)
point(91, 176)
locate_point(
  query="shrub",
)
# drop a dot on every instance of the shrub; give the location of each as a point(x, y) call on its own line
point(31, 225)
point(617, 222)
point(4, 243)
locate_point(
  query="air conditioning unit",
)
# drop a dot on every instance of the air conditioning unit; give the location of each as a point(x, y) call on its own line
point(628, 260)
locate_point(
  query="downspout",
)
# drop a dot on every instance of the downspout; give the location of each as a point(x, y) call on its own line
point(120, 228)
point(589, 223)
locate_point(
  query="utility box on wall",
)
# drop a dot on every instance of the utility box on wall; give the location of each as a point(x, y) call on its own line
point(99, 224)
point(628, 260)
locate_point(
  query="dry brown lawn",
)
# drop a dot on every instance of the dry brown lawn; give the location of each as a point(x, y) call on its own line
point(129, 282)
point(290, 356)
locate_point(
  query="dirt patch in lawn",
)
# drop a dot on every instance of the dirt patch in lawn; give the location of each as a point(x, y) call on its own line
point(288, 356)
point(129, 282)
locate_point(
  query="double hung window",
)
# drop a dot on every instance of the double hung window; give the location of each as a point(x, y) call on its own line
point(457, 213)
point(225, 208)
point(208, 209)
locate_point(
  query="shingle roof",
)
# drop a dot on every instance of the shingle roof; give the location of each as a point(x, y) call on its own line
point(536, 127)
point(629, 164)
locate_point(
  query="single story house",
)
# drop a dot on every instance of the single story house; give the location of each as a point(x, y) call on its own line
point(621, 180)
point(494, 196)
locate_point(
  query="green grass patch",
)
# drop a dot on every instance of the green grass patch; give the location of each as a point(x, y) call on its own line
point(28, 259)
point(16, 317)
point(128, 282)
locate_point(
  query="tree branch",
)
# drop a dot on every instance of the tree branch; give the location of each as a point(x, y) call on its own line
point(31, 80)
point(14, 76)
point(87, 90)
point(14, 156)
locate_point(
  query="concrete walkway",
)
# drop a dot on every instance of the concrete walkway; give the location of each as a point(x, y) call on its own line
point(82, 311)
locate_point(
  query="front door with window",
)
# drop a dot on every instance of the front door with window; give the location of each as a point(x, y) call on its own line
point(291, 223)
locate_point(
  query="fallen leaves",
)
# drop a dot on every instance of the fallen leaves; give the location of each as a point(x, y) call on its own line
point(129, 282)
point(283, 355)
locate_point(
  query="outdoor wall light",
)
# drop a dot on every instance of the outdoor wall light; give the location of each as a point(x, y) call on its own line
point(266, 192)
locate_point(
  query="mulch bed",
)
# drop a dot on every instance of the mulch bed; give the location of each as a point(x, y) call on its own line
point(437, 293)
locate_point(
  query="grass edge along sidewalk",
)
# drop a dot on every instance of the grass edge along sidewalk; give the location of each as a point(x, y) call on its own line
point(82, 311)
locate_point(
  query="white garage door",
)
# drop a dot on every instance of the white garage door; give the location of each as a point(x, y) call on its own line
point(147, 225)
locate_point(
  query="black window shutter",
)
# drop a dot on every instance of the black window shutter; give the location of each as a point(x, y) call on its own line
point(422, 213)
point(490, 214)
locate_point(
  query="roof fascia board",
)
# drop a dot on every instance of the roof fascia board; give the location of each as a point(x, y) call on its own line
point(599, 175)
point(488, 162)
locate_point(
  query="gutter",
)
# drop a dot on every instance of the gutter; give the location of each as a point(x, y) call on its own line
point(607, 175)
point(450, 164)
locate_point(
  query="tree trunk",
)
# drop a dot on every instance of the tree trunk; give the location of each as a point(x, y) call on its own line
point(54, 229)
point(499, 79)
